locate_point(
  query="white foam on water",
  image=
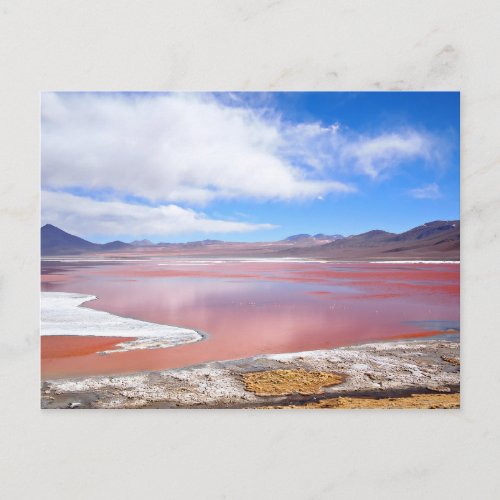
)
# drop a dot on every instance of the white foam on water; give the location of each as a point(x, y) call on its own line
point(61, 314)
point(191, 262)
point(285, 260)
point(415, 262)
point(50, 259)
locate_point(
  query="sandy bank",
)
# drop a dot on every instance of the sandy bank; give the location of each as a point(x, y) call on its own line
point(379, 370)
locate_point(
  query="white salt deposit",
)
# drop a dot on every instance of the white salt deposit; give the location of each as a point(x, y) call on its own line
point(233, 260)
point(415, 262)
point(61, 314)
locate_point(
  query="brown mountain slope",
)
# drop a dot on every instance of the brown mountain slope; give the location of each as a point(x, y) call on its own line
point(437, 240)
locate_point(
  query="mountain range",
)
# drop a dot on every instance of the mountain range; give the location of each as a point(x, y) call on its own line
point(437, 240)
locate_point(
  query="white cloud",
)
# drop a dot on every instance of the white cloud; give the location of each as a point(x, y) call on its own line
point(431, 191)
point(81, 215)
point(376, 156)
point(312, 144)
point(170, 148)
point(193, 149)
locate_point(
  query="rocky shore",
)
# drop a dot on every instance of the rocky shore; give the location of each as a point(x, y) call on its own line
point(409, 374)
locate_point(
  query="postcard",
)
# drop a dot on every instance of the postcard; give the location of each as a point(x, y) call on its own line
point(271, 250)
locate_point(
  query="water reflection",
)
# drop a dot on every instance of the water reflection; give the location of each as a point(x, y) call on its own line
point(254, 308)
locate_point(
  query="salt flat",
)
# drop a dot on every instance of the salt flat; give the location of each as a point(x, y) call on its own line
point(62, 314)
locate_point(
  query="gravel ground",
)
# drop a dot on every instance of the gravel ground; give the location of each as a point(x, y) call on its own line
point(378, 370)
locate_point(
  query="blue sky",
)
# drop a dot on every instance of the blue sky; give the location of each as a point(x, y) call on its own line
point(248, 166)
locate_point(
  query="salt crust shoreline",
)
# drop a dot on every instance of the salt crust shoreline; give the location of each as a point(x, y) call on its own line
point(62, 314)
point(378, 369)
point(271, 260)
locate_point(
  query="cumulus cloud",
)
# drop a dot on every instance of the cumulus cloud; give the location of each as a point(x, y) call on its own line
point(83, 215)
point(170, 148)
point(175, 150)
point(430, 191)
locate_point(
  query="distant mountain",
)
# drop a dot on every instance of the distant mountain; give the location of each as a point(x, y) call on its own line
point(430, 230)
point(317, 238)
point(437, 240)
point(55, 241)
point(203, 243)
point(331, 237)
point(141, 243)
point(115, 245)
point(298, 237)
point(371, 238)
point(193, 244)
point(433, 240)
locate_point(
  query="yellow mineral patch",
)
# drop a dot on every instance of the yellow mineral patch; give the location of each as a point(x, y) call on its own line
point(415, 401)
point(282, 382)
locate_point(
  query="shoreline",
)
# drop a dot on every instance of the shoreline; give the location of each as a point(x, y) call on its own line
point(63, 314)
point(222, 259)
point(392, 371)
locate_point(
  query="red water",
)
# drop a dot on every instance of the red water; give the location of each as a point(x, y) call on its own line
point(251, 308)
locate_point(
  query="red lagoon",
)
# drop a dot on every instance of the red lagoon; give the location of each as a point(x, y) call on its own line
point(249, 308)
